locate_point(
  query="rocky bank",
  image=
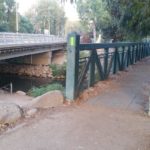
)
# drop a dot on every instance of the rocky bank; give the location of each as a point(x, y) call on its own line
point(27, 70)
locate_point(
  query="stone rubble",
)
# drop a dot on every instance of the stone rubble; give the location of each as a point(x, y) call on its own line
point(27, 70)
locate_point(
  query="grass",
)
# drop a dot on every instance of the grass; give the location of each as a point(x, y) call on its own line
point(58, 70)
point(37, 91)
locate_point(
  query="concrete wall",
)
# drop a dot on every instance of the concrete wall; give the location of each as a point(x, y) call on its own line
point(59, 57)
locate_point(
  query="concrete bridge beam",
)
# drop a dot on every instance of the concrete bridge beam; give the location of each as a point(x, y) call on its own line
point(39, 59)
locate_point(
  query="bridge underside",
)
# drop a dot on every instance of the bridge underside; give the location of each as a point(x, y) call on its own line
point(13, 51)
point(46, 58)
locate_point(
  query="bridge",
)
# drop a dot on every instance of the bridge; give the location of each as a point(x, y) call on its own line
point(14, 45)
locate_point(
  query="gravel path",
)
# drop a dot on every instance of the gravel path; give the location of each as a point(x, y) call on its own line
point(113, 120)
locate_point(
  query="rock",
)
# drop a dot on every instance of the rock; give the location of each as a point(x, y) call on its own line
point(2, 91)
point(9, 113)
point(31, 112)
point(48, 100)
point(21, 93)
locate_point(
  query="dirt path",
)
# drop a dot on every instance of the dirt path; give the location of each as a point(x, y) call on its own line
point(114, 120)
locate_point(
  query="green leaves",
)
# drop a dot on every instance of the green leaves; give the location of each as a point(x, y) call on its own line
point(25, 25)
point(131, 17)
point(7, 15)
point(117, 19)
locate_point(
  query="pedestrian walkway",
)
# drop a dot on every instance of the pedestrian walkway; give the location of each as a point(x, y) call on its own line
point(113, 120)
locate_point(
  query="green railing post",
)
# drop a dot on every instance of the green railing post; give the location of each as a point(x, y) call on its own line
point(115, 61)
point(128, 56)
point(122, 59)
point(140, 51)
point(138, 57)
point(148, 48)
point(106, 51)
point(72, 65)
point(92, 69)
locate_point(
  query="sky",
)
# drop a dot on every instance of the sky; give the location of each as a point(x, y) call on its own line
point(70, 10)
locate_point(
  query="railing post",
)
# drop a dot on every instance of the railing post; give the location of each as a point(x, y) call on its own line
point(106, 51)
point(128, 56)
point(122, 59)
point(72, 65)
point(91, 79)
point(115, 61)
point(11, 88)
point(138, 52)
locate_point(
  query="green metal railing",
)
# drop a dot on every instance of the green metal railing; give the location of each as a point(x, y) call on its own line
point(114, 57)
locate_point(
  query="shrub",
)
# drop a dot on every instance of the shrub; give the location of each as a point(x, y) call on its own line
point(58, 70)
point(37, 91)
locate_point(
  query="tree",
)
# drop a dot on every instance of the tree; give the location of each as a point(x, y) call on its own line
point(25, 25)
point(130, 19)
point(47, 15)
point(117, 19)
point(93, 14)
point(7, 15)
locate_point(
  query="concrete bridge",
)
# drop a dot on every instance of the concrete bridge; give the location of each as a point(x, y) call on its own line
point(39, 46)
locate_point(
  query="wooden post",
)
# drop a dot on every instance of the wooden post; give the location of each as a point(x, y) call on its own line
point(11, 88)
point(72, 65)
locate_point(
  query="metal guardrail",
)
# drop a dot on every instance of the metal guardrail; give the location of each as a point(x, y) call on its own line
point(114, 57)
point(21, 38)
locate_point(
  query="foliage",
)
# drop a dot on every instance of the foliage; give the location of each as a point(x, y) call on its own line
point(58, 70)
point(117, 19)
point(7, 15)
point(47, 14)
point(25, 25)
point(130, 19)
point(72, 26)
point(93, 14)
point(8, 18)
point(35, 91)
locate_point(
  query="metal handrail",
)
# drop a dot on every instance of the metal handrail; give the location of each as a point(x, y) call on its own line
point(24, 38)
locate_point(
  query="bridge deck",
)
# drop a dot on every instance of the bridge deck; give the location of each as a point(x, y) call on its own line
point(16, 45)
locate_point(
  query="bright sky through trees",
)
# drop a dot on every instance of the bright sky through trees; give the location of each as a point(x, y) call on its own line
point(70, 10)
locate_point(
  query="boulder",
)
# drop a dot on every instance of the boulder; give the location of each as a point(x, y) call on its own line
point(21, 93)
point(10, 113)
point(48, 100)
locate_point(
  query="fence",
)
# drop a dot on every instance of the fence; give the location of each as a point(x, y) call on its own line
point(113, 57)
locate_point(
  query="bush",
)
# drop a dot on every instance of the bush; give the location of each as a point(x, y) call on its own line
point(58, 70)
point(35, 91)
